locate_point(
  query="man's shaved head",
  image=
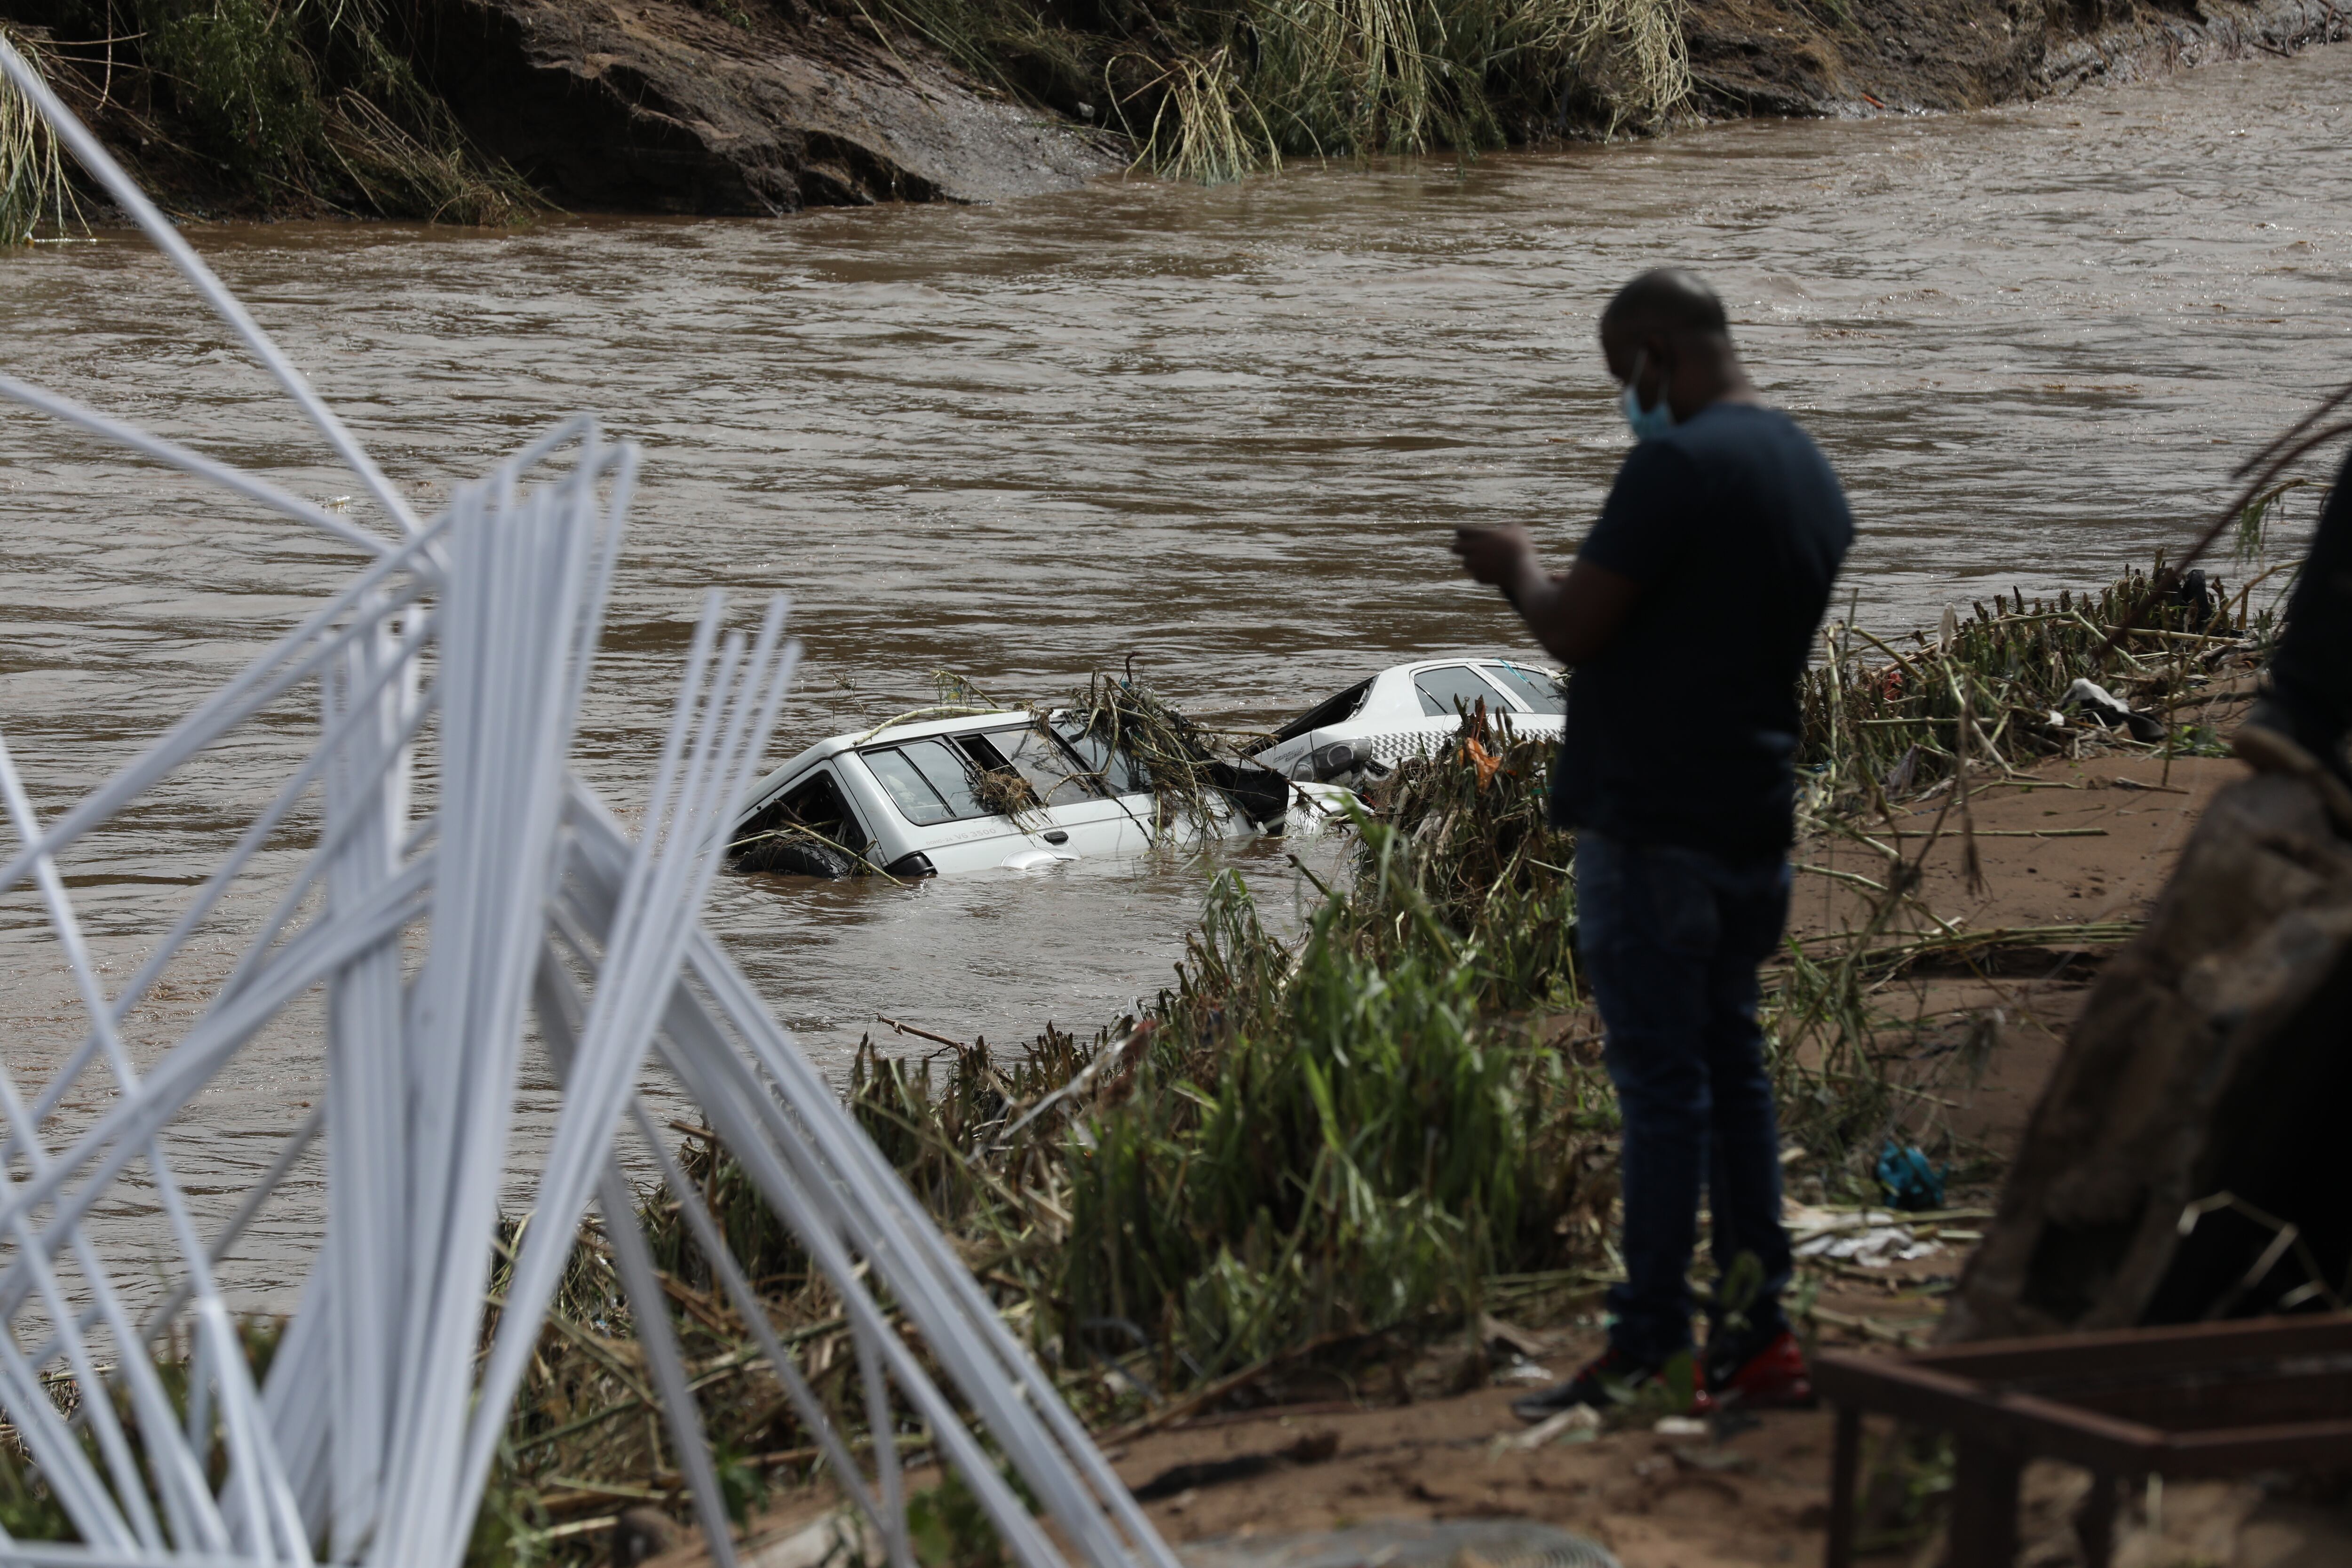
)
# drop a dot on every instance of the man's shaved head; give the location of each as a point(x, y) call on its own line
point(1665, 335)
point(1665, 302)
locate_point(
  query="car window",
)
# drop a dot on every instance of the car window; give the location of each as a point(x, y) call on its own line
point(1451, 689)
point(944, 769)
point(817, 805)
point(1329, 712)
point(1121, 772)
point(1539, 689)
point(917, 801)
point(1050, 770)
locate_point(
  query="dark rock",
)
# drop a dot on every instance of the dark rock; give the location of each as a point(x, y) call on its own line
point(653, 106)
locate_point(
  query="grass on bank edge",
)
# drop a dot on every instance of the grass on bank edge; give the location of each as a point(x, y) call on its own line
point(1216, 89)
point(329, 105)
point(304, 107)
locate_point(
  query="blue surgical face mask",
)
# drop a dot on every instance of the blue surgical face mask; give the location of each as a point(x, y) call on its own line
point(1647, 423)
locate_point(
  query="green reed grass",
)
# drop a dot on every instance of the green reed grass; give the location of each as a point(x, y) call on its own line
point(1324, 1138)
point(1203, 125)
point(1358, 78)
point(1461, 842)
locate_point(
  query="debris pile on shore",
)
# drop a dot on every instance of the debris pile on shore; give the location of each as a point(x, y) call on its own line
point(2023, 681)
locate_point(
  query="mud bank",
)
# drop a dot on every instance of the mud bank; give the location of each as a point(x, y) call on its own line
point(655, 106)
point(1787, 57)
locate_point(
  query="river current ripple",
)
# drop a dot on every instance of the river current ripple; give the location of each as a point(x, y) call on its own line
point(1225, 431)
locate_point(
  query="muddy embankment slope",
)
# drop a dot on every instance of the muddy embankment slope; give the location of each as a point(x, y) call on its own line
point(656, 105)
point(1836, 57)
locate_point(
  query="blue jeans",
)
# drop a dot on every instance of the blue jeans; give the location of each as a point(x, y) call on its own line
point(1670, 940)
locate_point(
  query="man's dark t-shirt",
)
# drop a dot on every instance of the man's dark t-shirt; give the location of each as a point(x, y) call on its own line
point(1683, 729)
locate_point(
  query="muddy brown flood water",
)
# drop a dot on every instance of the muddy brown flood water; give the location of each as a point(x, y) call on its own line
point(1224, 431)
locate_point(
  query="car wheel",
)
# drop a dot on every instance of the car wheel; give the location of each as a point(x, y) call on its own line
point(797, 858)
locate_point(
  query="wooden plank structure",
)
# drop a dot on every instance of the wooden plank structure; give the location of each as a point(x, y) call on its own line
point(2197, 1400)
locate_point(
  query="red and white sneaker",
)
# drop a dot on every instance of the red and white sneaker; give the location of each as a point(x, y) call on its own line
point(1773, 1378)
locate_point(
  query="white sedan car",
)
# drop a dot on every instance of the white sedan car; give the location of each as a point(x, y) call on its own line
point(1409, 709)
point(981, 791)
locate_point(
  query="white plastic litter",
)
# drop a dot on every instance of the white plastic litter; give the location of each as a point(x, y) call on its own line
point(1873, 1238)
point(1869, 1248)
point(1576, 1423)
point(466, 638)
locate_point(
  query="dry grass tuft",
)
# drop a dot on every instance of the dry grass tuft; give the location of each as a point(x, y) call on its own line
point(1205, 126)
point(1367, 77)
point(33, 188)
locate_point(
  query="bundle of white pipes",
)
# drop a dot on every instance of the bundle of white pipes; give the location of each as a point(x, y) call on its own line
point(373, 1436)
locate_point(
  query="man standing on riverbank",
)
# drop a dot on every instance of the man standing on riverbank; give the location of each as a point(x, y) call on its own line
point(1686, 620)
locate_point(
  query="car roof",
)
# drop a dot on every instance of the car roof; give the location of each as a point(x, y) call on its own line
point(1387, 678)
point(1547, 666)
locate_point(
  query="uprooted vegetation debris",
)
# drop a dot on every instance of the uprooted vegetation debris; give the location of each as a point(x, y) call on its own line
point(2002, 687)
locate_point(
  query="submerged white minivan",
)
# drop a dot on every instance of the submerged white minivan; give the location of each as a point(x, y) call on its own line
point(940, 796)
